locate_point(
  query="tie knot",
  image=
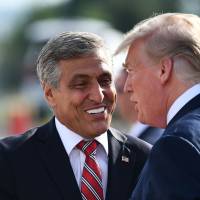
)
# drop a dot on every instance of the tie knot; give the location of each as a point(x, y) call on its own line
point(88, 147)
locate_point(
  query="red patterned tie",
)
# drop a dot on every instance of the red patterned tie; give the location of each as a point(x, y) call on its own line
point(91, 182)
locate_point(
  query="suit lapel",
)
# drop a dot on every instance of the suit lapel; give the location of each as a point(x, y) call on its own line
point(118, 170)
point(57, 161)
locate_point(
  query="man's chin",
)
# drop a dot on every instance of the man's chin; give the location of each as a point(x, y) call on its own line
point(140, 119)
point(95, 133)
point(101, 128)
point(97, 128)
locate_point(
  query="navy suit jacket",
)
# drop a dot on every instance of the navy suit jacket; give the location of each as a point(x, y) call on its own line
point(35, 166)
point(151, 134)
point(172, 171)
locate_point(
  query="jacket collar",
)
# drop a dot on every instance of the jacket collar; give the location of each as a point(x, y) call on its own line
point(191, 105)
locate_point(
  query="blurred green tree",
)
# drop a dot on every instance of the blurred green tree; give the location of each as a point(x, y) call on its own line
point(122, 14)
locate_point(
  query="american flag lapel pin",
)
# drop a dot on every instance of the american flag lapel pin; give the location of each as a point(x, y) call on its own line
point(125, 152)
point(125, 159)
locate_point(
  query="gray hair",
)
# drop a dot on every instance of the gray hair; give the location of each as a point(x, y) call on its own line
point(67, 45)
point(176, 35)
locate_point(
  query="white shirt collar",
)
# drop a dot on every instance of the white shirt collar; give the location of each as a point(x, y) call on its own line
point(70, 139)
point(182, 100)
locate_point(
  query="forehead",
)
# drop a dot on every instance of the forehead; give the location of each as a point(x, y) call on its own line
point(136, 55)
point(90, 66)
point(133, 55)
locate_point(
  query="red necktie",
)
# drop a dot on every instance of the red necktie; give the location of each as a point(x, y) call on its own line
point(91, 182)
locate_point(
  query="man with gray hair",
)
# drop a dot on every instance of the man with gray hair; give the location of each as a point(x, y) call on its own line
point(163, 64)
point(76, 155)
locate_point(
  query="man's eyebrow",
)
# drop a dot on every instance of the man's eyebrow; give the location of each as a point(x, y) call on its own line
point(80, 76)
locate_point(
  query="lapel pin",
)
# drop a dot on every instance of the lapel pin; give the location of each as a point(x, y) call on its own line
point(125, 159)
point(125, 153)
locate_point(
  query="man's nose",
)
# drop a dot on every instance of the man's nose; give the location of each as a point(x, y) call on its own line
point(127, 85)
point(97, 93)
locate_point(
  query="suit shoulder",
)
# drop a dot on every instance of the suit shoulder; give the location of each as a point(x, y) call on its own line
point(12, 143)
point(133, 142)
point(139, 144)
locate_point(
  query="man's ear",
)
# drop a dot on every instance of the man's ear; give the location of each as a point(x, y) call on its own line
point(166, 69)
point(49, 94)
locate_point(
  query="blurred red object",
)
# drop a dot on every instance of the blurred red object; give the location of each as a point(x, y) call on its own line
point(19, 119)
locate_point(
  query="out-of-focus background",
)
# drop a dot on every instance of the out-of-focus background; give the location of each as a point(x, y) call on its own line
point(25, 25)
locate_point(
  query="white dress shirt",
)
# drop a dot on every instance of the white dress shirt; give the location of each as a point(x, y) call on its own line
point(77, 158)
point(182, 100)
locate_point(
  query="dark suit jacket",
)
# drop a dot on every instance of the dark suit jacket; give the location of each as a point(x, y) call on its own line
point(151, 134)
point(35, 166)
point(172, 171)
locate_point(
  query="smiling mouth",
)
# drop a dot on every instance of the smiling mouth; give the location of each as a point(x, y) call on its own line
point(96, 111)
